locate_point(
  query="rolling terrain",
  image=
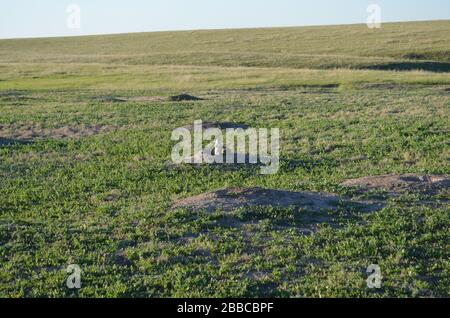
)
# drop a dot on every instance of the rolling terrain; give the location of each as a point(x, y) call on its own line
point(86, 177)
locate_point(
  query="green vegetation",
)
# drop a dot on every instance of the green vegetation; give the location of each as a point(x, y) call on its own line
point(85, 144)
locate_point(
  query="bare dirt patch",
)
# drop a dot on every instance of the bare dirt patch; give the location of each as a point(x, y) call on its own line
point(26, 133)
point(237, 161)
point(396, 184)
point(230, 199)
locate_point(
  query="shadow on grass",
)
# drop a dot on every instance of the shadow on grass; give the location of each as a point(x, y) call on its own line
point(437, 67)
point(8, 142)
point(309, 163)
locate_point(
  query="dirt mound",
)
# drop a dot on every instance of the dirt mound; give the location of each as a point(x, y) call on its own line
point(426, 184)
point(238, 160)
point(183, 97)
point(231, 199)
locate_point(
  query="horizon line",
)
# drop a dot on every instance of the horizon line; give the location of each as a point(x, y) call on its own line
point(212, 29)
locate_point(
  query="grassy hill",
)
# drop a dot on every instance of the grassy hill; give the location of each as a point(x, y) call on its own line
point(310, 47)
point(86, 177)
point(231, 58)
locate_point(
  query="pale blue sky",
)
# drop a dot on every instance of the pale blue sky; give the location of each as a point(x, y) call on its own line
point(37, 18)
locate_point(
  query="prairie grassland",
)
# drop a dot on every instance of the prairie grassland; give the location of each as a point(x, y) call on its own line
point(175, 78)
point(85, 149)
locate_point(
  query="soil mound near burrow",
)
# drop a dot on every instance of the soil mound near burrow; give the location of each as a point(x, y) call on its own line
point(183, 97)
point(238, 160)
point(397, 184)
point(218, 124)
point(230, 199)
